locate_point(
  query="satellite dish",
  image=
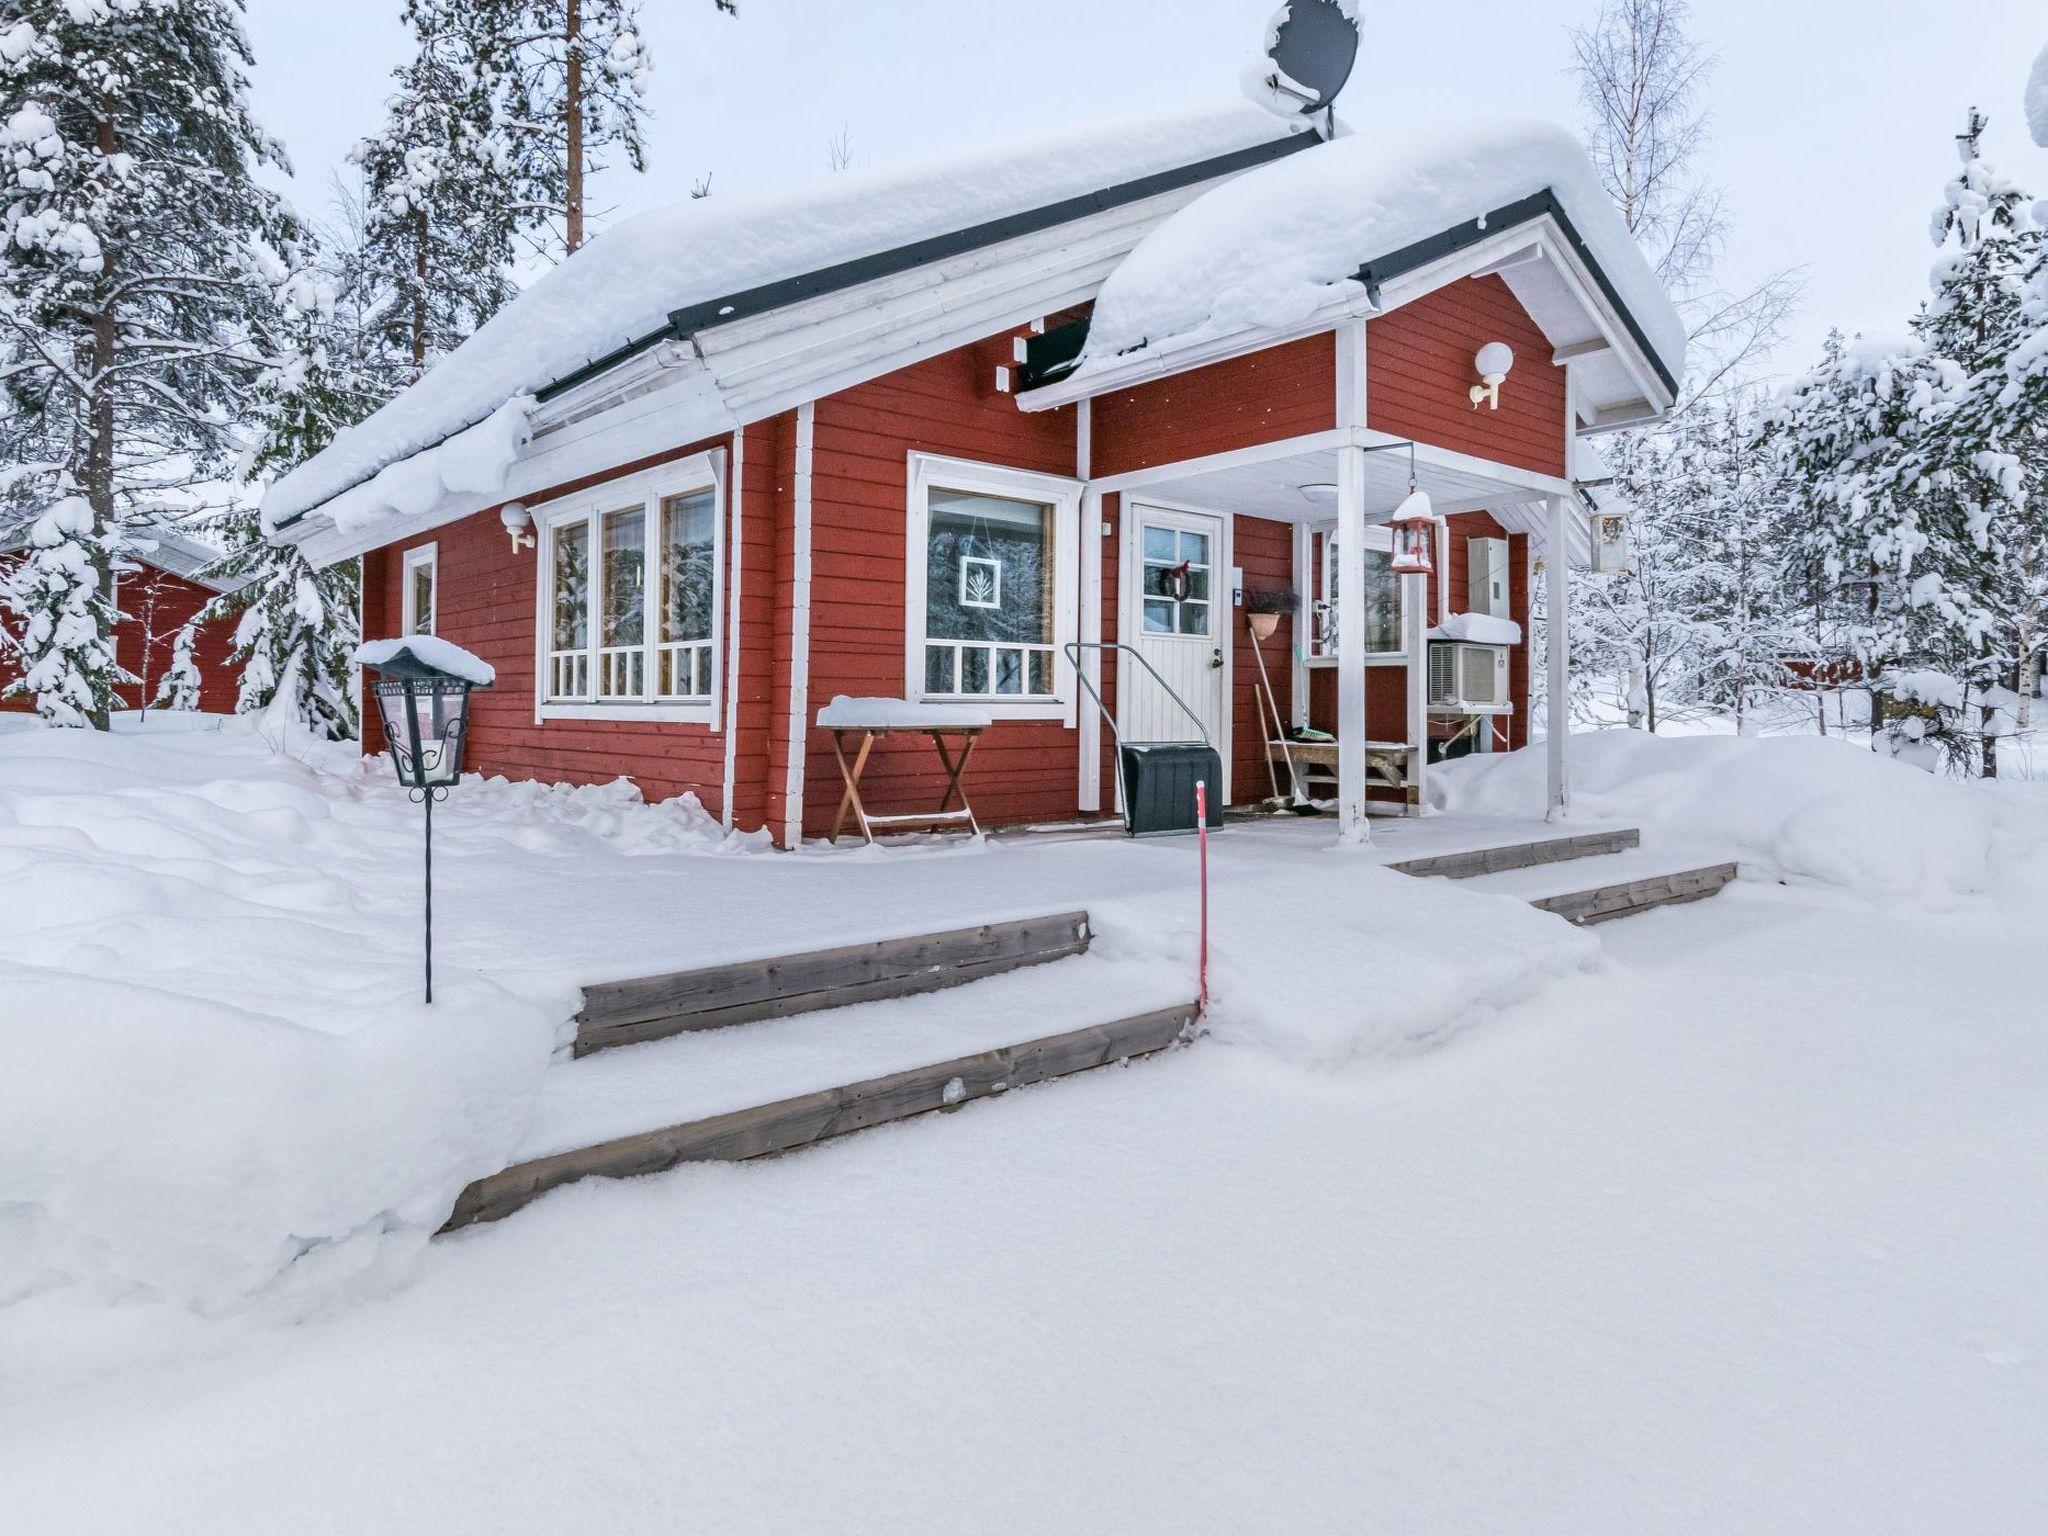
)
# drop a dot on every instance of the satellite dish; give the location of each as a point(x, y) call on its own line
point(1314, 46)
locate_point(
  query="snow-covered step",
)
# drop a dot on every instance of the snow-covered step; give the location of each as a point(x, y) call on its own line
point(714, 997)
point(1527, 853)
point(731, 1094)
point(1600, 889)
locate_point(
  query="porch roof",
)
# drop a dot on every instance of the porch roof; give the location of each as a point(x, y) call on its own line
point(1273, 482)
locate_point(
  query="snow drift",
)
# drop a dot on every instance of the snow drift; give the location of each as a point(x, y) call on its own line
point(217, 1078)
point(1803, 807)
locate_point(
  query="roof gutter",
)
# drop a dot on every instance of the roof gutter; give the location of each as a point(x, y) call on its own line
point(685, 323)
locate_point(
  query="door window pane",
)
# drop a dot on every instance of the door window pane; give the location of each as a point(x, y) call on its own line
point(1175, 581)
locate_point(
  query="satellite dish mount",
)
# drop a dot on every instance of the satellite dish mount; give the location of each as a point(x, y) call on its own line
point(1313, 48)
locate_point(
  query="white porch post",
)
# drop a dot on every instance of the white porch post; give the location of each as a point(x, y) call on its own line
point(1415, 642)
point(1304, 624)
point(1557, 626)
point(1352, 826)
point(1088, 793)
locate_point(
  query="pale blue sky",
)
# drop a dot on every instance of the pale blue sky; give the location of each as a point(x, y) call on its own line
point(1834, 121)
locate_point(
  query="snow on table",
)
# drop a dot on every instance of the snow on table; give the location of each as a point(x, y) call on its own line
point(850, 714)
point(431, 651)
point(1478, 628)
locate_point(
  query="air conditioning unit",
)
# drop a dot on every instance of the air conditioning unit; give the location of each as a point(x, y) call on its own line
point(1468, 679)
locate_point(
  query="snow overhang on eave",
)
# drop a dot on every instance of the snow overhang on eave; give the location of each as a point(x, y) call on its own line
point(1051, 378)
point(686, 325)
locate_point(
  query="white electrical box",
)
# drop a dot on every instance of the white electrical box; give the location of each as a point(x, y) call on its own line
point(1486, 564)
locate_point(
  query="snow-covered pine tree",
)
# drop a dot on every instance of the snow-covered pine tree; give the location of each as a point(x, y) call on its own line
point(296, 626)
point(1846, 436)
point(178, 689)
point(136, 249)
point(440, 216)
point(1981, 452)
point(577, 72)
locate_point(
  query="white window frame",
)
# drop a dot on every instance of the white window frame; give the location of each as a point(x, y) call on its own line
point(428, 556)
point(648, 490)
point(930, 472)
point(1379, 538)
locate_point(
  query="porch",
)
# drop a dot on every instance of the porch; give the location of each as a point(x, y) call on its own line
point(1331, 494)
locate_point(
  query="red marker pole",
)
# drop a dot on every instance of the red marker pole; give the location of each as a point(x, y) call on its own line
point(1202, 847)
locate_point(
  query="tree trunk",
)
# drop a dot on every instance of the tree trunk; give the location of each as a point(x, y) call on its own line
point(572, 111)
point(100, 423)
point(419, 294)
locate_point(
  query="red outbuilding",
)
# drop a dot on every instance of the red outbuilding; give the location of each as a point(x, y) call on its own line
point(160, 589)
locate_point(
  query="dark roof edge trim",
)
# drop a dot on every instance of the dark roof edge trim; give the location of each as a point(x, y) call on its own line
point(1525, 210)
point(683, 323)
point(1055, 355)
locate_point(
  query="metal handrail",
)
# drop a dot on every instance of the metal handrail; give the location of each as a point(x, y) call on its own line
point(1073, 649)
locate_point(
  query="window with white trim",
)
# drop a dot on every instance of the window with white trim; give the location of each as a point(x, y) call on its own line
point(1382, 596)
point(422, 589)
point(631, 593)
point(990, 593)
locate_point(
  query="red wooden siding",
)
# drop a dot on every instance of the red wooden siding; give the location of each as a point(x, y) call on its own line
point(1023, 770)
point(1419, 372)
point(155, 605)
point(1265, 550)
point(1282, 392)
point(484, 603)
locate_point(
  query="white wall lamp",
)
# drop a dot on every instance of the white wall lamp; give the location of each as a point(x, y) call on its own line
point(1496, 360)
point(519, 523)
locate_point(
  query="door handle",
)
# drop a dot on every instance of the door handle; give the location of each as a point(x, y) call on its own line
point(1216, 659)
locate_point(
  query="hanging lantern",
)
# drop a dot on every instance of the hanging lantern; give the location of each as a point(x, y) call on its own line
point(1414, 530)
point(1610, 548)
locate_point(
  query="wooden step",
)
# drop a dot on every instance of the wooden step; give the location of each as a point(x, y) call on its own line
point(655, 1007)
point(791, 1123)
point(1545, 850)
point(1604, 903)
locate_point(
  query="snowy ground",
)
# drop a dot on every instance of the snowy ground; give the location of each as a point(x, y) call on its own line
point(1739, 1231)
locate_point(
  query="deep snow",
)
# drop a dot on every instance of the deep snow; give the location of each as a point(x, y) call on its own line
point(1742, 1235)
point(218, 1083)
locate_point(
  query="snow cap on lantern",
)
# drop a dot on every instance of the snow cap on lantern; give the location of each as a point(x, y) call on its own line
point(1414, 529)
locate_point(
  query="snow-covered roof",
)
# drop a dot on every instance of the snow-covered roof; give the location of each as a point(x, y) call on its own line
point(160, 546)
point(1268, 249)
point(623, 287)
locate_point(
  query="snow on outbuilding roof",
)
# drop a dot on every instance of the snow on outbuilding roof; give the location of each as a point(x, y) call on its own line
point(623, 288)
point(1269, 248)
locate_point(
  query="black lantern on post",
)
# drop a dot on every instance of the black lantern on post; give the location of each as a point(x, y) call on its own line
point(425, 713)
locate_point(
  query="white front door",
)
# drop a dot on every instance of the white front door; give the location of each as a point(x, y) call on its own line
point(1176, 609)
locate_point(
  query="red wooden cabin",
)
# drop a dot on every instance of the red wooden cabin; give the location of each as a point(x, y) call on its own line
point(891, 436)
point(160, 592)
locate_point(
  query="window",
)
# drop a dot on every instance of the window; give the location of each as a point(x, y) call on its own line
point(1179, 572)
point(422, 571)
point(1382, 597)
point(630, 599)
point(990, 594)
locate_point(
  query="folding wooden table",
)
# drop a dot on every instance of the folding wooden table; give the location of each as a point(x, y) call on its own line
point(858, 730)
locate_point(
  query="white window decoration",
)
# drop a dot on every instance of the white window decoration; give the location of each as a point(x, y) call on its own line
point(1382, 597)
point(981, 582)
point(630, 597)
point(422, 590)
point(991, 584)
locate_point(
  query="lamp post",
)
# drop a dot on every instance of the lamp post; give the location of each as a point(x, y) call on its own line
point(425, 713)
